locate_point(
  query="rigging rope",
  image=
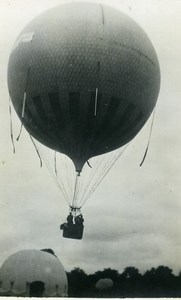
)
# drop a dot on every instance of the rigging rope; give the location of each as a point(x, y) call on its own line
point(109, 166)
point(69, 180)
point(11, 125)
point(70, 177)
point(59, 182)
point(149, 138)
point(101, 173)
point(36, 150)
point(76, 191)
point(92, 176)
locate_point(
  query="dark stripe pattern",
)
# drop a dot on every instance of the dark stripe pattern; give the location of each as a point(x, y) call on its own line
point(78, 136)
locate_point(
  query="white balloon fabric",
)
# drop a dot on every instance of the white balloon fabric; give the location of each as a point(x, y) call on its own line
point(25, 267)
point(104, 284)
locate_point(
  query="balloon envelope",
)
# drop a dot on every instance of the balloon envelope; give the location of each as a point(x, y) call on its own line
point(91, 77)
point(29, 266)
point(104, 284)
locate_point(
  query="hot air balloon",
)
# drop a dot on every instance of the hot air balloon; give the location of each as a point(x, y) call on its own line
point(84, 79)
point(104, 284)
point(28, 273)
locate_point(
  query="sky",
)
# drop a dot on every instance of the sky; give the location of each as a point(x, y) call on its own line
point(134, 217)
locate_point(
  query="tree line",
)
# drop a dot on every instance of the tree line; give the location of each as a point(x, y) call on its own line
point(156, 282)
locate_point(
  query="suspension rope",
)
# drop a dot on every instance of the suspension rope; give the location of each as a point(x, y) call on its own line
point(149, 138)
point(96, 184)
point(95, 178)
point(92, 176)
point(67, 176)
point(59, 182)
point(70, 176)
point(49, 166)
point(112, 162)
point(11, 125)
point(36, 150)
point(100, 168)
point(76, 191)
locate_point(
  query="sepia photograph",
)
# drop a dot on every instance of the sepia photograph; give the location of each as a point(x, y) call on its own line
point(90, 155)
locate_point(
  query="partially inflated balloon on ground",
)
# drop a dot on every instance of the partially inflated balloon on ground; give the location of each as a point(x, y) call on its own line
point(104, 284)
point(33, 273)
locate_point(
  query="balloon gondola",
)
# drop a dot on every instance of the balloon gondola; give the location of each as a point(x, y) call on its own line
point(83, 78)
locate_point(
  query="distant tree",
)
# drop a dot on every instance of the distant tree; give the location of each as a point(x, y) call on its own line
point(130, 282)
point(150, 273)
point(149, 289)
point(131, 272)
point(78, 270)
point(107, 273)
point(160, 282)
point(178, 285)
point(77, 282)
point(163, 273)
point(154, 283)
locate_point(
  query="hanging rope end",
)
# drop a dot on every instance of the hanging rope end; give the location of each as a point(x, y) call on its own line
point(11, 125)
point(144, 157)
point(89, 164)
point(149, 139)
point(55, 164)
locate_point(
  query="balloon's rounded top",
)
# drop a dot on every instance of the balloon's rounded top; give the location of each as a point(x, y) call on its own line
point(25, 267)
point(104, 284)
point(91, 77)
